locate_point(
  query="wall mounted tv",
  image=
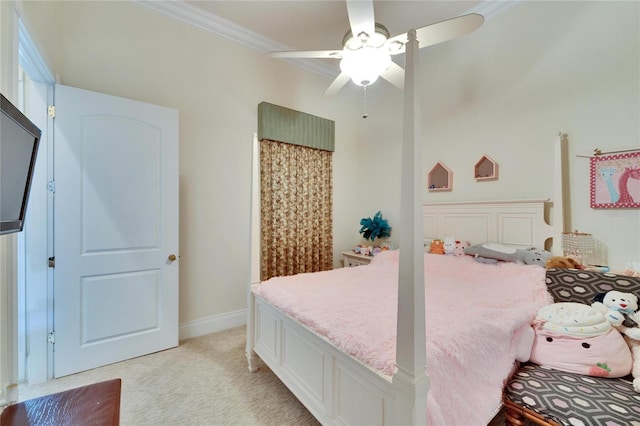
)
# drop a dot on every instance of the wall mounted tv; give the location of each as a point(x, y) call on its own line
point(19, 139)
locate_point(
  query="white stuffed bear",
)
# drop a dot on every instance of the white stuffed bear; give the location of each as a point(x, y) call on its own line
point(621, 309)
point(614, 305)
point(449, 245)
point(634, 345)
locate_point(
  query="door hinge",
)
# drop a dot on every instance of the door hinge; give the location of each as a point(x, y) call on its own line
point(51, 186)
point(51, 111)
point(52, 337)
point(52, 262)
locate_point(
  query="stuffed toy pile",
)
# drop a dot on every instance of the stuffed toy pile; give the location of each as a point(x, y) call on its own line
point(449, 246)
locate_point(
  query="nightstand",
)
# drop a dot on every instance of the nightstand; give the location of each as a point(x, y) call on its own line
point(355, 259)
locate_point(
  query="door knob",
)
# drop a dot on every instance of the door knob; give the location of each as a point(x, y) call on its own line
point(172, 257)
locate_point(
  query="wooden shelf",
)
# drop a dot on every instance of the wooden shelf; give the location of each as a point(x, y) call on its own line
point(440, 178)
point(486, 169)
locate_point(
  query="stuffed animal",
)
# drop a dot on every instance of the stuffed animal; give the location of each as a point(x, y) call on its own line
point(563, 262)
point(615, 305)
point(634, 345)
point(575, 337)
point(459, 248)
point(621, 309)
point(363, 250)
point(437, 247)
point(449, 245)
point(632, 336)
point(529, 256)
point(534, 256)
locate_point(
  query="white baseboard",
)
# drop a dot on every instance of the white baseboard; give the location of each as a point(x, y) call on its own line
point(212, 324)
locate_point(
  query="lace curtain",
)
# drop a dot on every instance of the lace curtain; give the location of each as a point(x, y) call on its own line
point(296, 209)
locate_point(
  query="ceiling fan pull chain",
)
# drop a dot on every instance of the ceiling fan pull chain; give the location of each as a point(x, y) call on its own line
point(364, 113)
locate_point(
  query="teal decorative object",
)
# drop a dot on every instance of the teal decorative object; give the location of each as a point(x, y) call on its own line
point(374, 228)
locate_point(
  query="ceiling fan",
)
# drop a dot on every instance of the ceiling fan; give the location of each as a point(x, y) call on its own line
point(367, 46)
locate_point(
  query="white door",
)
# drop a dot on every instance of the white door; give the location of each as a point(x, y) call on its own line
point(115, 229)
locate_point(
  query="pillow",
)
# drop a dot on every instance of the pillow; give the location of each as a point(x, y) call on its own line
point(530, 256)
point(576, 338)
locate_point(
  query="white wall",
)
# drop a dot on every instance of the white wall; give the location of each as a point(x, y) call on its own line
point(508, 88)
point(126, 50)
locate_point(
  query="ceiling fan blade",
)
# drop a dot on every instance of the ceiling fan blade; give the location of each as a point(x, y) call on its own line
point(394, 75)
point(336, 85)
point(442, 31)
point(447, 30)
point(361, 18)
point(333, 54)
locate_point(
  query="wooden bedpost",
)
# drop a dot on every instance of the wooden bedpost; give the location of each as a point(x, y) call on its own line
point(410, 379)
point(254, 277)
point(558, 194)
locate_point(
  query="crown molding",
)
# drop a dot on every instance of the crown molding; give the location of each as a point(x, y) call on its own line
point(182, 11)
point(185, 12)
point(30, 58)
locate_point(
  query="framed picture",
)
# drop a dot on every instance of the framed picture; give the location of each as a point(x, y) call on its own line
point(615, 181)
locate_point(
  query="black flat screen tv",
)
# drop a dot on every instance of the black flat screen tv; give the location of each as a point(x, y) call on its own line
point(19, 139)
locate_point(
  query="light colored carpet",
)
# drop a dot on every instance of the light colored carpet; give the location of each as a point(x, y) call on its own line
point(204, 381)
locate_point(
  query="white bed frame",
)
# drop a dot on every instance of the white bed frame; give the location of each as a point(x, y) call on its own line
point(517, 223)
point(336, 388)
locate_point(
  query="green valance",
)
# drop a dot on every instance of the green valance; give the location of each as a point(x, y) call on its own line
point(282, 124)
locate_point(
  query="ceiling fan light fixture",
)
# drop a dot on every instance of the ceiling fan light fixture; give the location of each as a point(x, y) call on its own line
point(367, 47)
point(364, 66)
point(378, 39)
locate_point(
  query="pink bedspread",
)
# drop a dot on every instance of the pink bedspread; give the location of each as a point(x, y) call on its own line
point(472, 312)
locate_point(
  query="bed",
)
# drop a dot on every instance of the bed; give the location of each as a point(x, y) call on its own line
point(340, 388)
point(348, 378)
point(469, 352)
